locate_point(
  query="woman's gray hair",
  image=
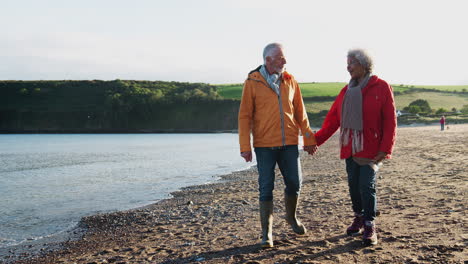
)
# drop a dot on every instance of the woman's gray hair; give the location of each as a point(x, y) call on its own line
point(269, 49)
point(363, 58)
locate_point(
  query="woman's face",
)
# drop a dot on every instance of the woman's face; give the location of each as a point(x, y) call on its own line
point(355, 69)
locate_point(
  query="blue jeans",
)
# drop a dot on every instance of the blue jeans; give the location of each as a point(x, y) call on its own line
point(288, 161)
point(361, 182)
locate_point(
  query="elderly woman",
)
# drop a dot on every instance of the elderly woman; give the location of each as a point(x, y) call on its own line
point(365, 113)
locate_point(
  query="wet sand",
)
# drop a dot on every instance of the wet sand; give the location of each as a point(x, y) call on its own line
point(422, 194)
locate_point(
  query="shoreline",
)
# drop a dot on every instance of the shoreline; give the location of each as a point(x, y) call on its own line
point(218, 222)
point(159, 131)
point(115, 131)
point(34, 248)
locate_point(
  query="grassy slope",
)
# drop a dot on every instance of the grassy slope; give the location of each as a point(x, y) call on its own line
point(233, 91)
point(450, 88)
point(318, 108)
point(320, 89)
point(436, 100)
point(308, 89)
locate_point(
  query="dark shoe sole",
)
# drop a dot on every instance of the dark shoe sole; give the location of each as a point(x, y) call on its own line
point(266, 245)
point(369, 242)
point(353, 233)
point(300, 231)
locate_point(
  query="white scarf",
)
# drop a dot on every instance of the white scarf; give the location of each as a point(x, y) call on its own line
point(273, 80)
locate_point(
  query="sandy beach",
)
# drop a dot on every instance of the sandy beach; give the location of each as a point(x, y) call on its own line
point(422, 194)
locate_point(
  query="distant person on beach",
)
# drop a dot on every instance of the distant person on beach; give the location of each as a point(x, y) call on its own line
point(442, 123)
point(272, 110)
point(364, 111)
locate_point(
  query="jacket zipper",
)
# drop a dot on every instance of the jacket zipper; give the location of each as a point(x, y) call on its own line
point(283, 136)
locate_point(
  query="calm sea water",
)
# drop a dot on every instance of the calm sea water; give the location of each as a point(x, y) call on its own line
point(48, 182)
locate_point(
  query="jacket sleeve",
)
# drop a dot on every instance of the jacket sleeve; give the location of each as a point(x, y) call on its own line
point(389, 122)
point(332, 120)
point(300, 115)
point(245, 117)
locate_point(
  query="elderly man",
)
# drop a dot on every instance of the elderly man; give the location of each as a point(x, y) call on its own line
point(272, 110)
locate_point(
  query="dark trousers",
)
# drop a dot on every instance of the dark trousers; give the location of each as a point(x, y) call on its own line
point(288, 161)
point(362, 189)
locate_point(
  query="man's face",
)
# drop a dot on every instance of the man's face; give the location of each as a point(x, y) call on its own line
point(275, 63)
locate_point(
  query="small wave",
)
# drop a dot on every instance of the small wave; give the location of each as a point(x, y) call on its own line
point(59, 236)
point(5, 242)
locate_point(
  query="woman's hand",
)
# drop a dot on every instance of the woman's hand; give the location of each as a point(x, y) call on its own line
point(380, 157)
point(311, 149)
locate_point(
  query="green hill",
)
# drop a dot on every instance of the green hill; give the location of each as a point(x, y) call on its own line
point(445, 88)
point(234, 91)
point(333, 88)
point(318, 97)
point(155, 106)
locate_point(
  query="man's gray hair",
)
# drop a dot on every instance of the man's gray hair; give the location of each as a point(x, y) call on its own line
point(270, 49)
point(363, 58)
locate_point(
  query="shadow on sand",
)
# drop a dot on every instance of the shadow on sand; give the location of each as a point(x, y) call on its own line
point(310, 250)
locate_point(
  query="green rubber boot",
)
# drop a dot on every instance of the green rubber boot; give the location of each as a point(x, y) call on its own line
point(266, 219)
point(291, 206)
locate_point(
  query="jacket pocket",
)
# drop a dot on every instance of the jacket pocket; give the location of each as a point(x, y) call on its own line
point(371, 140)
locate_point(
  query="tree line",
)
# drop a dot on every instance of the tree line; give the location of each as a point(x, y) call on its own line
point(421, 106)
point(118, 105)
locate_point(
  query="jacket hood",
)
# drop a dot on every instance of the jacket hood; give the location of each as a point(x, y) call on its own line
point(256, 75)
point(373, 80)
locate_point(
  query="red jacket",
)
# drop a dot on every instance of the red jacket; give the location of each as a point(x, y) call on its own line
point(379, 120)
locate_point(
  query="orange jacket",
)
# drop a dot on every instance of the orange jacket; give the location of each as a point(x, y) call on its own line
point(273, 120)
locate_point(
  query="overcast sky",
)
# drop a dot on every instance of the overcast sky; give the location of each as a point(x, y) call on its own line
point(216, 41)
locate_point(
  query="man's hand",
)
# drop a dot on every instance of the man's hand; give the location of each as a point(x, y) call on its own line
point(311, 149)
point(247, 155)
point(379, 157)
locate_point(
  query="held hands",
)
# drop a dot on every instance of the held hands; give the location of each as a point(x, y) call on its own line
point(311, 149)
point(247, 155)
